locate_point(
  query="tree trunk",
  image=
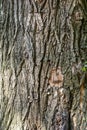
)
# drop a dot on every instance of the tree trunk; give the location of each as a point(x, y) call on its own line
point(43, 46)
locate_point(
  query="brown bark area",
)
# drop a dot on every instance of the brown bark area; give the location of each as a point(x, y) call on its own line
point(37, 38)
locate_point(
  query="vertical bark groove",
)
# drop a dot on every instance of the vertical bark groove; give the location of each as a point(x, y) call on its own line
point(37, 36)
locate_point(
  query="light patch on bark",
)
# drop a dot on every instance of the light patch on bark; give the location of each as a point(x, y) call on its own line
point(74, 121)
point(16, 123)
point(7, 74)
point(55, 94)
point(56, 77)
point(39, 20)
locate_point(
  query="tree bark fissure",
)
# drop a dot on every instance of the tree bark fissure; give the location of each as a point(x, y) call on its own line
point(40, 39)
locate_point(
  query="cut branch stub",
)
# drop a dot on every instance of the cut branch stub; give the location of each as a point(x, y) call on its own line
point(56, 77)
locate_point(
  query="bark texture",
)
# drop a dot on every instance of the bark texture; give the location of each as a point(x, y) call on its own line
point(43, 45)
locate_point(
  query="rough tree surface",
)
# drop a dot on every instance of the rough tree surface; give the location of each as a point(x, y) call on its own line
point(43, 46)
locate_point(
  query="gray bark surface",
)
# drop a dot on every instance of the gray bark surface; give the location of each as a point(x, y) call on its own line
point(43, 46)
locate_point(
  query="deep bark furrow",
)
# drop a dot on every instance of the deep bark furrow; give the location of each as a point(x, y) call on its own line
point(39, 37)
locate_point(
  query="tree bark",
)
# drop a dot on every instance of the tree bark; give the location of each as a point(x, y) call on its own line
point(43, 46)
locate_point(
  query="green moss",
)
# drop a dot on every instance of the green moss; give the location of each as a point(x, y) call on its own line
point(84, 68)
